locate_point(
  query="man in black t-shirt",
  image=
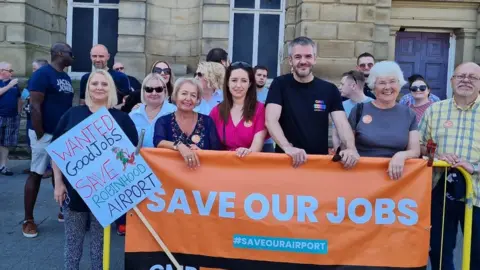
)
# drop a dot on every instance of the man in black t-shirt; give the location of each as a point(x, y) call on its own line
point(298, 106)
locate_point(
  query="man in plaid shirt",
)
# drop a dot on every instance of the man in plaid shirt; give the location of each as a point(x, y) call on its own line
point(454, 125)
point(9, 114)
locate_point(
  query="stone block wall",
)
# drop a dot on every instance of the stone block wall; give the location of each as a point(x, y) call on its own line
point(173, 32)
point(27, 30)
point(342, 29)
point(215, 26)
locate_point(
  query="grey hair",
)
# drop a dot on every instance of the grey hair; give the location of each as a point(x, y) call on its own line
point(40, 62)
point(4, 65)
point(302, 41)
point(180, 82)
point(385, 68)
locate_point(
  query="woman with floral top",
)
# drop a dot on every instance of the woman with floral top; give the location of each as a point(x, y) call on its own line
point(185, 130)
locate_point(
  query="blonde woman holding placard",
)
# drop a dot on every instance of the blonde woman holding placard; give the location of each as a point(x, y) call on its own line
point(101, 92)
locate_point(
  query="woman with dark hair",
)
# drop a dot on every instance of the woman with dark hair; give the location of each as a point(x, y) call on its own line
point(165, 70)
point(408, 99)
point(421, 93)
point(240, 118)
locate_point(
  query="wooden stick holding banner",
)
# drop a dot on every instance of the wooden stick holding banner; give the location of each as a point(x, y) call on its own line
point(145, 221)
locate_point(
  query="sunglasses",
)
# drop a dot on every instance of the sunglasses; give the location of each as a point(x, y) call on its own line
point(119, 68)
point(160, 70)
point(365, 65)
point(241, 64)
point(156, 89)
point(198, 74)
point(418, 88)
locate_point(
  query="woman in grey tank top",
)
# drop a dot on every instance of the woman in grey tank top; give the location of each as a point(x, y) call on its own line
point(382, 127)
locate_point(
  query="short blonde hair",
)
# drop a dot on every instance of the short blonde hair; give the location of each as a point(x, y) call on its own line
point(152, 76)
point(180, 82)
point(385, 68)
point(214, 73)
point(112, 89)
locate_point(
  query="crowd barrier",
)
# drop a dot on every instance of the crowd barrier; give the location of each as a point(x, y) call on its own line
point(163, 162)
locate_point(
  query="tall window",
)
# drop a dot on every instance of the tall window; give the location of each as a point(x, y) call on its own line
point(91, 22)
point(256, 33)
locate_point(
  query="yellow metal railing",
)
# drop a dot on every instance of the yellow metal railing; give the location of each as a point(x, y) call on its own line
point(467, 230)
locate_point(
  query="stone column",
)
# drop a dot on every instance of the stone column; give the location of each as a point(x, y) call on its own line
point(342, 29)
point(465, 50)
point(131, 37)
point(215, 26)
point(172, 33)
point(392, 42)
point(382, 49)
point(289, 33)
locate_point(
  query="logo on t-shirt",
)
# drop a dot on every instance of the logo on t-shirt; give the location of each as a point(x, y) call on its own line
point(319, 106)
point(64, 86)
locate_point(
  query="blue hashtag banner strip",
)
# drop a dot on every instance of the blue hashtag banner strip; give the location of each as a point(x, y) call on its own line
point(313, 246)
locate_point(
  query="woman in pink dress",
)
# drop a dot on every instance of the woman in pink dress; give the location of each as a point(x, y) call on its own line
point(240, 118)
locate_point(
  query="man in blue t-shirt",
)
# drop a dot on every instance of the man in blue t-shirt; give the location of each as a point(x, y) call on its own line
point(51, 95)
point(100, 56)
point(9, 118)
point(352, 88)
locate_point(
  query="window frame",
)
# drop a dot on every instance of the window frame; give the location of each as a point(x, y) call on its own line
point(96, 6)
point(256, 11)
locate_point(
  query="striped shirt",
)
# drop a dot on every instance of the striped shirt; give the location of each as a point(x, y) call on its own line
point(455, 131)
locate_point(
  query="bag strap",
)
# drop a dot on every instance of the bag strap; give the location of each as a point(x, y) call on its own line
point(359, 113)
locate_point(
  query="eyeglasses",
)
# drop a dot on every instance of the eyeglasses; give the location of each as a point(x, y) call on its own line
point(9, 70)
point(156, 89)
point(160, 70)
point(418, 88)
point(198, 74)
point(464, 76)
point(241, 64)
point(370, 65)
point(119, 68)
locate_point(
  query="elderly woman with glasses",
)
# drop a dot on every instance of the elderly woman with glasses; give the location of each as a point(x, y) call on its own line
point(382, 127)
point(155, 104)
point(211, 76)
point(240, 118)
point(186, 130)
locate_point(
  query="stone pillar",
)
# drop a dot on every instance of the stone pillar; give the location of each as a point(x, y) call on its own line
point(392, 39)
point(131, 37)
point(28, 30)
point(342, 29)
point(215, 26)
point(382, 49)
point(172, 32)
point(477, 43)
point(465, 50)
point(290, 31)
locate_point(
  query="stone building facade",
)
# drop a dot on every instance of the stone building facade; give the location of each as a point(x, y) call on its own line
point(425, 36)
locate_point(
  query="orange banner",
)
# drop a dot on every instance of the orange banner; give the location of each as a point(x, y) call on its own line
point(259, 212)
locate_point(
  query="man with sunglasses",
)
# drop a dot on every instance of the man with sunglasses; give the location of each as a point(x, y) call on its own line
point(99, 55)
point(365, 62)
point(299, 106)
point(135, 85)
point(51, 95)
point(10, 107)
